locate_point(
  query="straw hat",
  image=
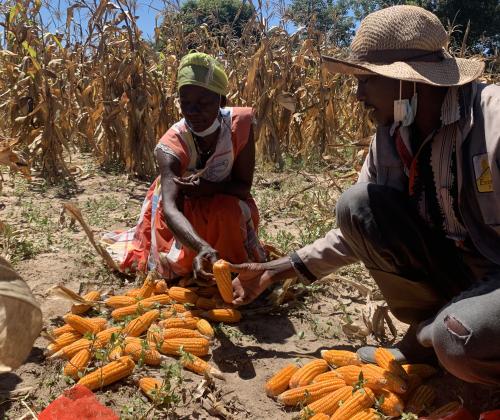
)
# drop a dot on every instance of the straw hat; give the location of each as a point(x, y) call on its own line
point(405, 43)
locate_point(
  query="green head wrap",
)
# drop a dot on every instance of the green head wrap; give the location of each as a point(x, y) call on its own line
point(203, 70)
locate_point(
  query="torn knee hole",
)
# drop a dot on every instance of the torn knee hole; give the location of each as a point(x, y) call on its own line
point(455, 327)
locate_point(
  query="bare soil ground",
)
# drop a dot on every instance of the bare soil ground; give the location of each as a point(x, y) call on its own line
point(295, 208)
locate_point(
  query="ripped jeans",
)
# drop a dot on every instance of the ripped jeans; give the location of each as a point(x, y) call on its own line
point(451, 294)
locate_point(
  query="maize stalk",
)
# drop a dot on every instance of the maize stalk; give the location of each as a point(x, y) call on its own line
point(222, 274)
point(152, 387)
point(309, 393)
point(85, 325)
point(279, 382)
point(189, 323)
point(138, 325)
point(422, 398)
point(306, 373)
point(329, 403)
point(196, 346)
point(81, 308)
point(421, 369)
point(389, 403)
point(337, 358)
point(199, 366)
point(182, 295)
point(120, 301)
point(386, 360)
point(112, 372)
point(227, 315)
point(62, 341)
point(150, 356)
point(377, 378)
point(77, 364)
point(204, 327)
point(361, 399)
point(367, 414)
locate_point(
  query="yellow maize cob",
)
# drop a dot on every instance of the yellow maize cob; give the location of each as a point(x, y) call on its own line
point(367, 414)
point(77, 364)
point(141, 306)
point(386, 360)
point(150, 356)
point(152, 387)
point(161, 287)
point(363, 398)
point(176, 310)
point(339, 358)
point(196, 346)
point(199, 366)
point(320, 416)
point(206, 303)
point(306, 373)
point(103, 337)
point(376, 378)
point(413, 382)
point(444, 410)
point(420, 369)
point(204, 327)
point(181, 333)
point(56, 332)
point(329, 403)
point(112, 372)
point(327, 376)
point(148, 287)
point(115, 353)
point(182, 295)
point(421, 399)
point(62, 341)
point(85, 325)
point(389, 403)
point(128, 340)
point(207, 292)
point(309, 393)
point(279, 382)
point(138, 325)
point(133, 292)
point(222, 274)
point(81, 308)
point(187, 323)
point(350, 374)
point(227, 315)
point(154, 335)
point(120, 301)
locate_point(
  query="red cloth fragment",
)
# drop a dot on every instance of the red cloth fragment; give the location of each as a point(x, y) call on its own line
point(77, 403)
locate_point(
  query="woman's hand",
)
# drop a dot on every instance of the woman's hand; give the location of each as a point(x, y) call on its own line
point(193, 186)
point(202, 265)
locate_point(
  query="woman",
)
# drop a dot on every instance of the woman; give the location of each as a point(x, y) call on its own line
point(199, 209)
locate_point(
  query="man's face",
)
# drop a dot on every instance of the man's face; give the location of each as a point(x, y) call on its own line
point(379, 93)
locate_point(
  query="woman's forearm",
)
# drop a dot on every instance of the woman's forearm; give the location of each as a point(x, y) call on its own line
point(182, 229)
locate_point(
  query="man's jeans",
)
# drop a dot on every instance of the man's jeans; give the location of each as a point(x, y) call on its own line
point(453, 295)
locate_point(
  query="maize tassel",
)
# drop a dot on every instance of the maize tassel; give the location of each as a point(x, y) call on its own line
point(138, 325)
point(120, 301)
point(227, 315)
point(112, 372)
point(222, 274)
point(422, 398)
point(390, 403)
point(420, 369)
point(386, 360)
point(62, 341)
point(85, 325)
point(378, 378)
point(77, 364)
point(337, 358)
point(350, 374)
point(196, 346)
point(189, 323)
point(309, 393)
point(199, 366)
point(329, 403)
point(363, 398)
point(81, 308)
point(152, 387)
point(279, 382)
point(150, 356)
point(367, 414)
point(204, 327)
point(306, 373)
point(182, 295)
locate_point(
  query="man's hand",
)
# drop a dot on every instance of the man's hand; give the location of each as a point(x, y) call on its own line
point(252, 280)
point(193, 186)
point(202, 265)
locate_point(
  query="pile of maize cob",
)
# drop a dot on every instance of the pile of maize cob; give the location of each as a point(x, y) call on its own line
point(145, 326)
point(340, 387)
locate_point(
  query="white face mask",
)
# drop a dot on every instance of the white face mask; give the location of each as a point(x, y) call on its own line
point(404, 111)
point(210, 130)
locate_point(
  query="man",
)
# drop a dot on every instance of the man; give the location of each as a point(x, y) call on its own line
point(424, 216)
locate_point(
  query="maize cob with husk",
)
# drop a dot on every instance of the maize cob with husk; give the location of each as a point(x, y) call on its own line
point(414, 381)
point(329, 403)
point(81, 308)
point(152, 387)
point(337, 358)
point(227, 315)
point(207, 292)
point(306, 373)
point(85, 325)
point(222, 274)
point(112, 372)
point(350, 374)
point(367, 414)
point(199, 366)
point(204, 327)
point(206, 303)
point(62, 341)
point(361, 399)
point(327, 376)
point(115, 353)
point(120, 301)
point(377, 378)
point(66, 328)
point(189, 323)
point(320, 416)
point(279, 382)
point(309, 393)
point(386, 360)
point(77, 364)
point(161, 287)
point(389, 403)
point(182, 295)
point(141, 306)
point(181, 333)
point(148, 287)
point(444, 410)
point(148, 355)
point(421, 399)
point(175, 346)
point(421, 369)
point(138, 325)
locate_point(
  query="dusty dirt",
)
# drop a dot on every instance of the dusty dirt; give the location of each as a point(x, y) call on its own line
point(47, 252)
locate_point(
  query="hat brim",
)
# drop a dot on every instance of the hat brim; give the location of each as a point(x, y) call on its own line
point(447, 72)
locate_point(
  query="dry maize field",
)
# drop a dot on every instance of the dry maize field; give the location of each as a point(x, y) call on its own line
point(80, 113)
